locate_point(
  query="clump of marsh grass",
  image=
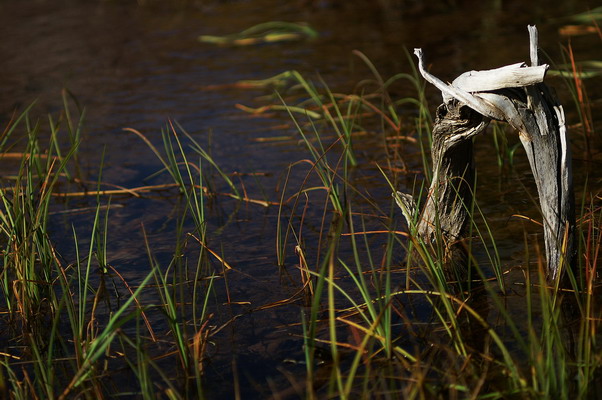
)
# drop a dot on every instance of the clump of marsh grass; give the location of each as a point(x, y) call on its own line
point(29, 259)
point(374, 329)
point(69, 333)
point(40, 292)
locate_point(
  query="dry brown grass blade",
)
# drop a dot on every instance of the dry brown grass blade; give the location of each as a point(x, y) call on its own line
point(527, 218)
point(263, 203)
point(18, 155)
point(137, 191)
point(199, 343)
point(583, 98)
point(125, 191)
point(284, 301)
point(144, 317)
point(577, 30)
point(401, 233)
point(213, 253)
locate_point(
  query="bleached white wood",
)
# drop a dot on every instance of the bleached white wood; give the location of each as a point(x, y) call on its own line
point(533, 45)
point(510, 76)
point(504, 109)
point(448, 91)
point(533, 98)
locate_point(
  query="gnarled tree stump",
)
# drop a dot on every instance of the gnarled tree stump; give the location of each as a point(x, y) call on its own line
point(515, 94)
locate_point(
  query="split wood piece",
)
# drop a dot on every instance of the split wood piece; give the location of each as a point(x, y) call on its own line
point(550, 158)
point(515, 94)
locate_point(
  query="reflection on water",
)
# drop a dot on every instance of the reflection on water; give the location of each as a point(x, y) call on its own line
point(138, 66)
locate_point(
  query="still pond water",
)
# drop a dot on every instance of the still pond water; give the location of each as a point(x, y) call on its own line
point(139, 66)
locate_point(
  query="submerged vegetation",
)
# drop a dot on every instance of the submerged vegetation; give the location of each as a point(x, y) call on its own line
point(376, 317)
point(268, 32)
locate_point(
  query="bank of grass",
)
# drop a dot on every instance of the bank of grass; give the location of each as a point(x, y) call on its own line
point(380, 319)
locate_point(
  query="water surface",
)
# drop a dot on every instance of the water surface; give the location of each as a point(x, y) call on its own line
point(142, 66)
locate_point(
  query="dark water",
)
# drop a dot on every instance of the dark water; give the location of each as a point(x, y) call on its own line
point(139, 65)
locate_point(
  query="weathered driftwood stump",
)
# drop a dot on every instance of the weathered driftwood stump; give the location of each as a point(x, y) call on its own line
point(515, 94)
